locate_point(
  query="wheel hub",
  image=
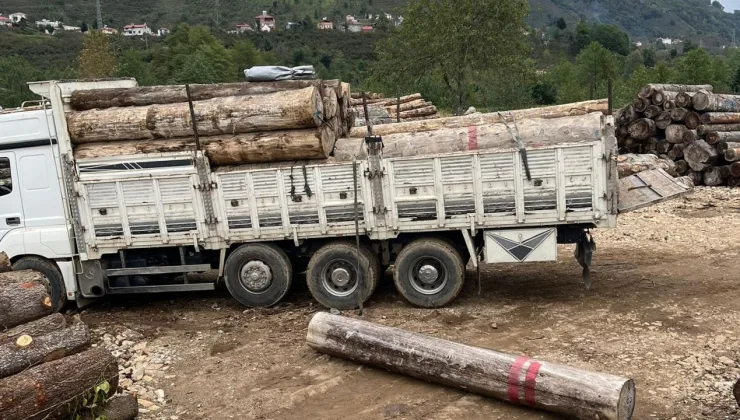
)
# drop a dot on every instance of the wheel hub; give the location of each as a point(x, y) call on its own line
point(428, 274)
point(340, 277)
point(256, 276)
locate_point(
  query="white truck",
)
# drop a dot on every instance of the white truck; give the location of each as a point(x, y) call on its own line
point(146, 223)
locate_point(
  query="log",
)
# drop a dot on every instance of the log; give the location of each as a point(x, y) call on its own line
point(388, 101)
point(631, 163)
point(419, 112)
point(732, 155)
point(704, 101)
point(35, 328)
point(291, 109)
point(661, 96)
point(663, 146)
point(54, 389)
point(685, 181)
point(640, 104)
point(683, 99)
point(713, 177)
point(688, 136)
point(651, 144)
point(692, 120)
point(534, 132)
point(622, 131)
point(5, 265)
point(43, 348)
point(700, 155)
point(720, 118)
point(716, 137)
point(82, 100)
point(561, 389)
point(557, 111)
point(735, 169)
point(682, 168)
point(120, 407)
point(674, 133)
point(679, 114)
point(704, 129)
point(269, 146)
point(724, 171)
point(696, 177)
point(648, 91)
point(625, 115)
point(642, 128)
point(653, 111)
point(676, 151)
point(723, 146)
point(733, 182)
point(663, 120)
point(23, 302)
point(669, 105)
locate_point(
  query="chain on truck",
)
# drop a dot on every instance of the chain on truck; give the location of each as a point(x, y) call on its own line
point(152, 223)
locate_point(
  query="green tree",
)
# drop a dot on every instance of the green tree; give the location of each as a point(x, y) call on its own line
point(634, 60)
point(560, 23)
point(83, 27)
point(611, 38)
point(569, 88)
point(132, 64)
point(14, 73)
point(648, 57)
point(674, 53)
point(245, 55)
point(189, 50)
point(698, 67)
point(596, 63)
point(581, 38)
point(96, 59)
point(453, 40)
point(689, 45)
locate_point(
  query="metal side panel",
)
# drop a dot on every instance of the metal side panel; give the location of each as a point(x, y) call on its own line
point(647, 188)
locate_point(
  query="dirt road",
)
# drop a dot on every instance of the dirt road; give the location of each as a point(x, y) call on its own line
point(663, 310)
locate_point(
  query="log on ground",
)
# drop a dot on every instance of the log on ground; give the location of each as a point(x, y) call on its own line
point(52, 390)
point(292, 109)
point(700, 155)
point(268, 146)
point(16, 357)
point(643, 128)
point(556, 111)
point(663, 146)
point(704, 129)
point(562, 389)
point(533, 132)
point(419, 112)
point(81, 100)
point(703, 101)
point(716, 137)
point(649, 90)
point(42, 326)
point(5, 265)
point(388, 101)
point(23, 302)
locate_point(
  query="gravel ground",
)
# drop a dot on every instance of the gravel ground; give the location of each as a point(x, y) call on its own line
point(663, 310)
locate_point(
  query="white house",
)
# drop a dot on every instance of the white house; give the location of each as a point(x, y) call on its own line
point(638, 44)
point(109, 31)
point(70, 28)
point(664, 41)
point(17, 17)
point(163, 32)
point(136, 30)
point(47, 22)
point(5, 21)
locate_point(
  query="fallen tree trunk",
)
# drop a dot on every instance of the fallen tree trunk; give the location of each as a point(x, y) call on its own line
point(704, 129)
point(82, 100)
point(55, 389)
point(519, 380)
point(648, 91)
point(630, 164)
point(692, 120)
point(23, 302)
point(700, 155)
point(35, 328)
point(16, 357)
point(557, 111)
point(534, 132)
point(663, 120)
point(679, 114)
point(291, 109)
point(120, 407)
point(5, 265)
point(642, 129)
point(703, 101)
point(269, 146)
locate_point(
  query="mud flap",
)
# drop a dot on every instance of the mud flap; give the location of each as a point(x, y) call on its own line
point(585, 248)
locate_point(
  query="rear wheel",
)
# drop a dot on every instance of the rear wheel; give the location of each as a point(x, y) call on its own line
point(258, 275)
point(333, 279)
point(429, 273)
point(52, 278)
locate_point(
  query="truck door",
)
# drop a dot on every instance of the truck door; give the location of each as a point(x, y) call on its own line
point(11, 207)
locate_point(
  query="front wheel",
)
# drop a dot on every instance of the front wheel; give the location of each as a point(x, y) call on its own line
point(429, 273)
point(258, 275)
point(52, 278)
point(333, 279)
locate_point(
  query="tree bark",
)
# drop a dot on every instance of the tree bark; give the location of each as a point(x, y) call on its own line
point(700, 155)
point(53, 390)
point(5, 263)
point(648, 91)
point(120, 407)
point(732, 155)
point(82, 100)
point(23, 302)
point(231, 115)
point(557, 111)
point(704, 129)
point(674, 133)
point(663, 120)
point(42, 326)
point(682, 168)
point(562, 389)
point(533, 132)
point(716, 137)
point(692, 120)
point(676, 151)
point(642, 128)
point(660, 97)
point(44, 348)
point(630, 164)
point(625, 115)
point(269, 146)
point(720, 118)
point(703, 101)
point(723, 146)
point(640, 104)
point(653, 111)
point(735, 169)
point(713, 177)
point(679, 114)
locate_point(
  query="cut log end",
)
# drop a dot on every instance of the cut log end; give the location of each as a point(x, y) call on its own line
point(23, 341)
point(627, 396)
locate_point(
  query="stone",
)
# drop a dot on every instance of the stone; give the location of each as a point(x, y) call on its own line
point(160, 393)
point(726, 361)
point(138, 373)
point(145, 403)
point(140, 346)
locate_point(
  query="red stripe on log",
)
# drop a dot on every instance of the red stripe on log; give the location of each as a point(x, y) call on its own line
point(530, 381)
point(473, 137)
point(516, 369)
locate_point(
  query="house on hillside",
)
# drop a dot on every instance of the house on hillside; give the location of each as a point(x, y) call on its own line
point(17, 17)
point(136, 30)
point(664, 41)
point(70, 28)
point(163, 32)
point(243, 28)
point(265, 22)
point(5, 21)
point(109, 31)
point(47, 22)
point(326, 24)
point(367, 28)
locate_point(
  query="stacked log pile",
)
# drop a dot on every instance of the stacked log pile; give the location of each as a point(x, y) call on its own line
point(389, 110)
point(48, 369)
point(696, 129)
point(236, 122)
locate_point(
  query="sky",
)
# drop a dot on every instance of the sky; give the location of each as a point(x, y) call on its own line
point(730, 5)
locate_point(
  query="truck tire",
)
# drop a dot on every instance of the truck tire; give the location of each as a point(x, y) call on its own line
point(53, 279)
point(332, 275)
point(429, 273)
point(258, 275)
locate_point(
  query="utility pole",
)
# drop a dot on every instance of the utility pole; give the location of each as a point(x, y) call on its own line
point(99, 14)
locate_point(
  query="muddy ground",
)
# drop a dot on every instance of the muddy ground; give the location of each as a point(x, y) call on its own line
point(663, 310)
